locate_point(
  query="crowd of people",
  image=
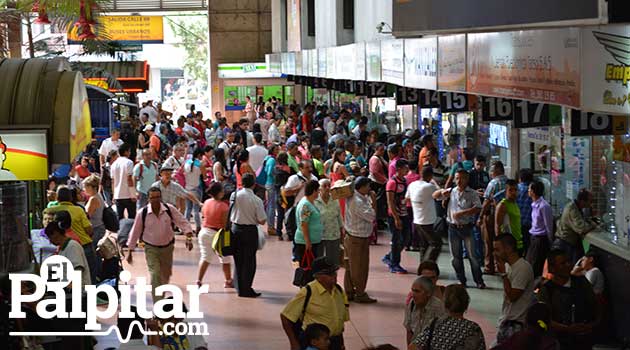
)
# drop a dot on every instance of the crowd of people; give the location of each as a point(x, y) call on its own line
point(321, 180)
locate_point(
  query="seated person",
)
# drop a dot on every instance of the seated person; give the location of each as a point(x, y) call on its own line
point(70, 249)
point(423, 308)
point(571, 302)
point(536, 335)
point(42, 248)
point(430, 270)
point(587, 267)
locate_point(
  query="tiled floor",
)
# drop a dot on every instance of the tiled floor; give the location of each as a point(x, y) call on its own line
point(239, 323)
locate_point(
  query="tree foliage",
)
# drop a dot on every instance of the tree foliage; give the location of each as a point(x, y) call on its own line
point(192, 33)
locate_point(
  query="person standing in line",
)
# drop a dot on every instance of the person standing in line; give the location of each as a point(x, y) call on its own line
point(541, 233)
point(294, 188)
point(359, 221)
point(292, 151)
point(574, 225)
point(242, 167)
point(215, 215)
point(420, 194)
point(463, 205)
point(395, 152)
point(153, 225)
point(257, 153)
point(264, 124)
point(122, 181)
point(524, 201)
point(249, 110)
point(399, 222)
point(423, 308)
point(195, 171)
point(274, 133)
point(308, 236)
point(508, 215)
point(518, 287)
point(427, 144)
point(247, 213)
point(333, 235)
point(109, 144)
point(378, 176)
point(267, 173)
point(487, 216)
point(327, 304)
point(145, 173)
point(281, 174)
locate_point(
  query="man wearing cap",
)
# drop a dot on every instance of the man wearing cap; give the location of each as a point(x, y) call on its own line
point(359, 223)
point(144, 174)
point(321, 301)
point(171, 190)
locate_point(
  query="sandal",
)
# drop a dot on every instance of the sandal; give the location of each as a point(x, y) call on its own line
point(228, 284)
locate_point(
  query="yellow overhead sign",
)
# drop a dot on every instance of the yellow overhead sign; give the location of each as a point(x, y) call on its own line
point(128, 30)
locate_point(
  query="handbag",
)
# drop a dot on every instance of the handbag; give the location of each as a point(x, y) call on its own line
point(107, 247)
point(222, 242)
point(304, 274)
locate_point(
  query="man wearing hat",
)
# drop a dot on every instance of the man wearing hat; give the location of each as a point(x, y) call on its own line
point(171, 190)
point(359, 224)
point(321, 301)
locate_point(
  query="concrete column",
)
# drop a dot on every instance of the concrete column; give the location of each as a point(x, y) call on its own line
point(279, 25)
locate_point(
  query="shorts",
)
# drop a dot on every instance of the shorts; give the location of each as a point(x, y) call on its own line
point(206, 235)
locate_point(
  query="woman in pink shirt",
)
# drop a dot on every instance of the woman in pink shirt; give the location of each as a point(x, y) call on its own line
point(215, 216)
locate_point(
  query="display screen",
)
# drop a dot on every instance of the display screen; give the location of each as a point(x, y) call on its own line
point(499, 135)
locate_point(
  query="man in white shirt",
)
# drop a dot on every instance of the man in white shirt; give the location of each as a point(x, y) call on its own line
point(257, 153)
point(150, 111)
point(518, 286)
point(274, 133)
point(109, 144)
point(420, 194)
point(123, 184)
point(227, 145)
point(295, 183)
point(264, 127)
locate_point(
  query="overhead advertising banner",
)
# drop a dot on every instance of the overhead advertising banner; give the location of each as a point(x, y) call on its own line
point(294, 26)
point(373, 61)
point(322, 60)
point(606, 69)
point(421, 63)
point(245, 71)
point(274, 63)
point(392, 61)
point(345, 62)
point(452, 63)
point(126, 30)
point(23, 155)
point(359, 68)
point(536, 65)
point(331, 60)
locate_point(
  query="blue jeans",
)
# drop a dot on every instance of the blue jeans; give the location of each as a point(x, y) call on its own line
point(457, 236)
point(143, 200)
point(279, 219)
point(400, 239)
point(272, 203)
point(194, 207)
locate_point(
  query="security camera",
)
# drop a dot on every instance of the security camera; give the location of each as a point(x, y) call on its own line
point(379, 27)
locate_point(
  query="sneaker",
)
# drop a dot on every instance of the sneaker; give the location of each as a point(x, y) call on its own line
point(386, 260)
point(398, 270)
point(364, 299)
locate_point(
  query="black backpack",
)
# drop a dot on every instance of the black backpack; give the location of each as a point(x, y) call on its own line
point(110, 218)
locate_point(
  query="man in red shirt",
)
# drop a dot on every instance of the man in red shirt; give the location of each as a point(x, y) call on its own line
point(399, 223)
point(154, 142)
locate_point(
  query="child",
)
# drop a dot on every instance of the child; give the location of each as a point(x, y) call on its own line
point(317, 337)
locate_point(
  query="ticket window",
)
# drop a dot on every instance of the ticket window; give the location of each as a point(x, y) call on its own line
point(458, 131)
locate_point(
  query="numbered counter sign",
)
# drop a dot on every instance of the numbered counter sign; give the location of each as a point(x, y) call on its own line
point(407, 96)
point(592, 124)
point(429, 99)
point(534, 115)
point(454, 102)
point(496, 109)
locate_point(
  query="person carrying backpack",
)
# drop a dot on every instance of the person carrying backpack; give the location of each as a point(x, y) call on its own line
point(157, 233)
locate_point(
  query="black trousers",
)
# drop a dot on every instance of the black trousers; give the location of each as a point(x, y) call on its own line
point(432, 241)
point(245, 247)
point(127, 203)
point(537, 252)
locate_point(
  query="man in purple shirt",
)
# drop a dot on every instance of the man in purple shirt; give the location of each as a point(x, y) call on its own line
point(541, 233)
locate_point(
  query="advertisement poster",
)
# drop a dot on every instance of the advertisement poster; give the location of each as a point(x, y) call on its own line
point(359, 68)
point(535, 65)
point(23, 155)
point(245, 71)
point(606, 68)
point(373, 61)
point(452, 63)
point(294, 26)
point(321, 62)
point(331, 59)
point(392, 61)
point(126, 30)
point(421, 63)
point(345, 62)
